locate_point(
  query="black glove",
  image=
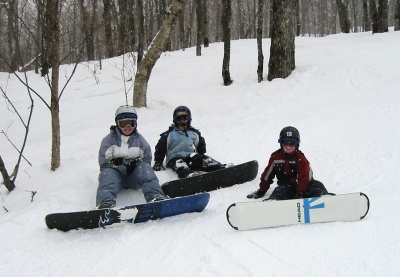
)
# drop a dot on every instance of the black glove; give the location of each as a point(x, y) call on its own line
point(299, 195)
point(158, 166)
point(115, 162)
point(131, 165)
point(257, 194)
point(196, 161)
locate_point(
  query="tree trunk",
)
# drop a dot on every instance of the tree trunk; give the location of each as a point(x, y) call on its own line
point(12, 35)
point(383, 16)
point(200, 27)
point(157, 47)
point(131, 25)
point(366, 21)
point(108, 29)
point(226, 37)
point(343, 17)
point(355, 27)
point(123, 36)
point(6, 178)
point(182, 37)
point(218, 19)
point(162, 14)
point(53, 44)
point(374, 16)
point(260, 22)
point(140, 48)
point(87, 26)
point(282, 51)
point(397, 16)
point(38, 36)
point(149, 7)
point(298, 19)
point(205, 24)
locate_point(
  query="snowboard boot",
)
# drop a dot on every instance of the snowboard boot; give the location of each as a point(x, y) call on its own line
point(106, 205)
point(159, 197)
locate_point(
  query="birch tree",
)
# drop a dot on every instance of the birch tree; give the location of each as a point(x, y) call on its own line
point(159, 44)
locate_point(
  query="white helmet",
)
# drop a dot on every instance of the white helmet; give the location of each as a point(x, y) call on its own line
point(125, 111)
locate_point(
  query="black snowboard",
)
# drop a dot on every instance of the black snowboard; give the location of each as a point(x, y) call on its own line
point(222, 178)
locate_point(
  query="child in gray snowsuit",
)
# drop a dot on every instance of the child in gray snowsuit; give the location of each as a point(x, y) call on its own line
point(125, 162)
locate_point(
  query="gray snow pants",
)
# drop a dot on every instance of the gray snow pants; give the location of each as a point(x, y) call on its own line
point(112, 181)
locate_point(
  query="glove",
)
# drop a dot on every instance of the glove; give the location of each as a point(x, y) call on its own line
point(158, 166)
point(299, 195)
point(130, 167)
point(115, 162)
point(257, 194)
point(196, 160)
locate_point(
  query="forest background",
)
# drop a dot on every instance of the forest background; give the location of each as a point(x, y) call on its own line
point(41, 35)
point(99, 29)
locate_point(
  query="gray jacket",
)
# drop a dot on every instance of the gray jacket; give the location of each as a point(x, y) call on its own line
point(115, 144)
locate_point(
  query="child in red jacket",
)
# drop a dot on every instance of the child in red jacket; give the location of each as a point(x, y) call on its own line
point(292, 170)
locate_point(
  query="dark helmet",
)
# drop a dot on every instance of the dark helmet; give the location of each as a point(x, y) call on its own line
point(182, 109)
point(289, 133)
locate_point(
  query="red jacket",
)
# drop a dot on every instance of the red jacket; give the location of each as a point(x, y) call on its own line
point(292, 170)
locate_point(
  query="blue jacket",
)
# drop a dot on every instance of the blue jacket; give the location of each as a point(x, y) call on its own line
point(175, 143)
point(115, 144)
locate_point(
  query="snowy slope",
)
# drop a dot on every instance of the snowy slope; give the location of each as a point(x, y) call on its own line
point(343, 97)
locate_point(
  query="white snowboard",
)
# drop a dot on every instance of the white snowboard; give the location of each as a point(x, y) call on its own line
point(265, 214)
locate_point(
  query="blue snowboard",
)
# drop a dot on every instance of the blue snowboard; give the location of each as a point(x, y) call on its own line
point(104, 218)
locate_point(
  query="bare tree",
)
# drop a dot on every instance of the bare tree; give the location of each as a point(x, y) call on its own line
point(12, 35)
point(374, 16)
point(49, 45)
point(298, 18)
point(397, 16)
point(200, 25)
point(6, 177)
point(226, 37)
point(343, 17)
point(107, 16)
point(202, 38)
point(53, 44)
point(159, 44)
point(206, 41)
point(366, 19)
point(131, 25)
point(383, 16)
point(123, 32)
point(282, 51)
point(260, 23)
point(140, 48)
point(182, 37)
point(88, 27)
point(9, 180)
point(38, 35)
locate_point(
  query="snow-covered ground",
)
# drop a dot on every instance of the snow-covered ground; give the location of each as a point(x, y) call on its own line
point(343, 97)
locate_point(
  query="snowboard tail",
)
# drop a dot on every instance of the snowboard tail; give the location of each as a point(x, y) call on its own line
point(221, 178)
point(265, 214)
point(104, 218)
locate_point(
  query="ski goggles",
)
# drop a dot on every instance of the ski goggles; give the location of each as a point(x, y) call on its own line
point(182, 117)
point(123, 123)
point(289, 142)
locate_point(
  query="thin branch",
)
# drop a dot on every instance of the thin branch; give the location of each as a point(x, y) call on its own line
point(12, 105)
point(15, 146)
point(33, 193)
